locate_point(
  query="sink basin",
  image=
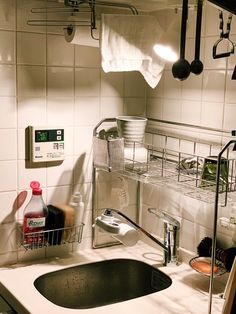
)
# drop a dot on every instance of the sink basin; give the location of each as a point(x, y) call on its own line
point(101, 283)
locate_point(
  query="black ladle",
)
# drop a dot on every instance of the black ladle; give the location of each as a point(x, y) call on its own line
point(181, 68)
point(197, 65)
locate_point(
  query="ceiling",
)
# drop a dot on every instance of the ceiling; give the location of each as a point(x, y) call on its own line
point(154, 5)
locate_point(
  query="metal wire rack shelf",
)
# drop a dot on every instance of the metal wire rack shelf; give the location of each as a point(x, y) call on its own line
point(165, 167)
point(165, 170)
point(47, 238)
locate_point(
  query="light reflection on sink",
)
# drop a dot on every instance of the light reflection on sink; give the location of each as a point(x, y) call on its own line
point(101, 283)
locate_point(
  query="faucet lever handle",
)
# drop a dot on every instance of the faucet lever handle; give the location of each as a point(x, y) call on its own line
point(164, 216)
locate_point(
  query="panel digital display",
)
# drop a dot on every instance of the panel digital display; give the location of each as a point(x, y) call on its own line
point(42, 136)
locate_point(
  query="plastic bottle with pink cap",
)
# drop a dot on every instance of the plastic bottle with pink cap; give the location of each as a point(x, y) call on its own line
point(35, 215)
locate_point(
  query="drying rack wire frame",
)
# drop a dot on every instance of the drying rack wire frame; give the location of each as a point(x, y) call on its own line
point(162, 167)
point(216, 193)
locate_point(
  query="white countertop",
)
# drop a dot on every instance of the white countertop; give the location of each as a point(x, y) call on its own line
point(187, 294)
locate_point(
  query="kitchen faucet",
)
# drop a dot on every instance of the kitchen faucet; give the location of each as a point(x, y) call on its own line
point(171, 232)
point(171, 235)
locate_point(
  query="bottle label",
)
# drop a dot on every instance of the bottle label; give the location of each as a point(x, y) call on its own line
point(36, 222)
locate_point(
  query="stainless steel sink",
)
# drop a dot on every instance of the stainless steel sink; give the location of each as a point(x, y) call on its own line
point(101, 283)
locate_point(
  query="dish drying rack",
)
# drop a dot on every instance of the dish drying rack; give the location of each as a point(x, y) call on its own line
point(52, 237)
point(164, 166)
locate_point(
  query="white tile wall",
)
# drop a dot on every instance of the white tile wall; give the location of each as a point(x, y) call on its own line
point(135, 106)
point(108, 111)
point(206, 100)
point(31, 111)
point(8, 170)
point(83, 108)
point(7, 39)
point(192, 89)
point(8, 14)
point(59, 52)
point(46, 81)
point(191, 112)
point(31, 81)
point(8, 152)
point(33, 43)
point(88, 57)
point(8, 80)
point(210, 120)
point(56, 114)
point(171, 109)
point(60, 82)
point(8, 115)
point(213, 88)
point(131, 89)
point(112, 84)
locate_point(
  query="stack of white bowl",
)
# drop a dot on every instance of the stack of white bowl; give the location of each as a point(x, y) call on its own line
point(132, 129)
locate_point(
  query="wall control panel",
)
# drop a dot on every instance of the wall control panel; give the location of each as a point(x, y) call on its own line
point(45, 144)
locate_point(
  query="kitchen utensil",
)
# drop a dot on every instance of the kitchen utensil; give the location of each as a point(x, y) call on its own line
point(16, 205)
point(10, 236)
point(197, 65)
point(108, 154)
point(210, 170)
point(225, 256)
point(224, 36)
point(190, 165)
point(181, 68)
point(203, 266)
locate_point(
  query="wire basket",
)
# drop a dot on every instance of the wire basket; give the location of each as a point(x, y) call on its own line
point(39, 239)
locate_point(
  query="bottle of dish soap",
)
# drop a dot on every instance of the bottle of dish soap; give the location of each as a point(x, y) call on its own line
point(78, 205)
point(35, 215)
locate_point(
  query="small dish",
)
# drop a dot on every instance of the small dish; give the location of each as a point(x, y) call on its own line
point(203, 266)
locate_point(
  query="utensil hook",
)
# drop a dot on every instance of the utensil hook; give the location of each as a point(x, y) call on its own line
point(223, 36)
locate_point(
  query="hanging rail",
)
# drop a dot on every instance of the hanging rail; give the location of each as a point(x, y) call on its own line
point(76, 8)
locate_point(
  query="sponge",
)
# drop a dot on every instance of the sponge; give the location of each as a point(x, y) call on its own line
point(55, 221)
point(69, 220)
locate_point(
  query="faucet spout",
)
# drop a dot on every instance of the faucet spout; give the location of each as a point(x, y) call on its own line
point(170, 244)
point(154, 239)
point(165, 217)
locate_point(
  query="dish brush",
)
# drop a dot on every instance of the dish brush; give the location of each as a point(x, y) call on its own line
point(226, 256)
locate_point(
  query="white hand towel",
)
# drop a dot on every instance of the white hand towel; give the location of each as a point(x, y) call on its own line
point(126, 43)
